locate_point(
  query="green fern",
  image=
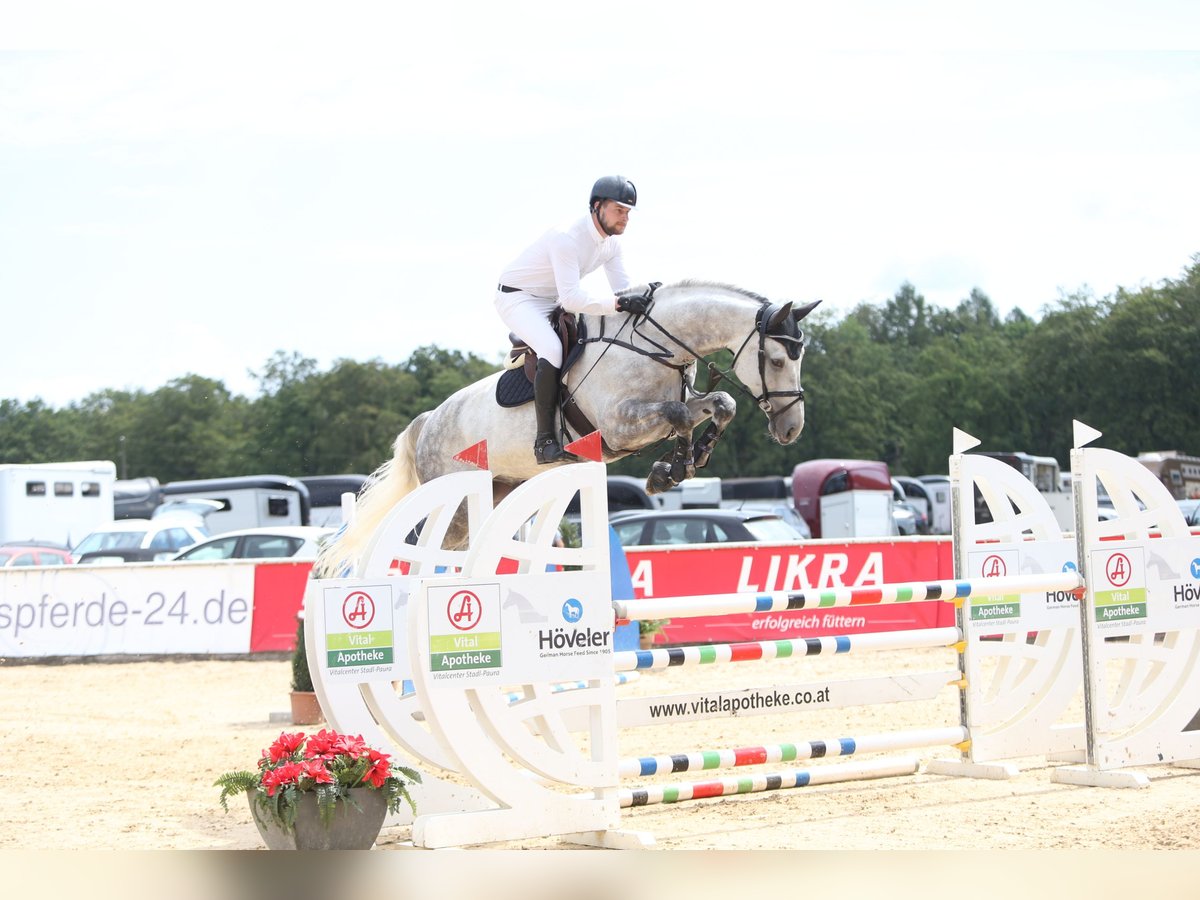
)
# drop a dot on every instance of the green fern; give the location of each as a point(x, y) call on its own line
point(235, 783)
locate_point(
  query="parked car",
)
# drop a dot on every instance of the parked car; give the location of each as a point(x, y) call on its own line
point(904, 517)
point(781, 508)
point(908, 517)
point(645, 528)
point(284, 542)
point(917, 495)
point(141, 540)
point(33, 553)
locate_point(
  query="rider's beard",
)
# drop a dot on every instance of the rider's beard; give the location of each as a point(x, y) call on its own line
point(613, 227)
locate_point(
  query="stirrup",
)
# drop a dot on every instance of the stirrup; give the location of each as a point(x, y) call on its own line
point(547, 450)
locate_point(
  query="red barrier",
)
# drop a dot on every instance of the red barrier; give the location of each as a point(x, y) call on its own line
point(278, 597)
point(753, 568)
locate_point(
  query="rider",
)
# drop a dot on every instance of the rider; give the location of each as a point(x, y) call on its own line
point(547, 275)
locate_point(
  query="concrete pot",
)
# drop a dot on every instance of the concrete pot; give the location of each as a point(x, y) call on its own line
point(350, 828)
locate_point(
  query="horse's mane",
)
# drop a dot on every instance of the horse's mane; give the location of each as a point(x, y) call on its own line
point(721, 286)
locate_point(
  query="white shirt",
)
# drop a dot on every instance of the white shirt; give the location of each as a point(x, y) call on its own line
point(553, 265)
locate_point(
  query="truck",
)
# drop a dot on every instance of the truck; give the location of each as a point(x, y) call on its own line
point(1179, 473)
point(56, 503)
point(844, 498)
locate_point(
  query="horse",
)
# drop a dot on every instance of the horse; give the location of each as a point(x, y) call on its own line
point(634, 379)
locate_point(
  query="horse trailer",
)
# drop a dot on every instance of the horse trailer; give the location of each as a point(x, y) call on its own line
point(57, 503)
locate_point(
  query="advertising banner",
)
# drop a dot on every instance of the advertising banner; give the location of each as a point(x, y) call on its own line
point(749, 568)
point(130, 609)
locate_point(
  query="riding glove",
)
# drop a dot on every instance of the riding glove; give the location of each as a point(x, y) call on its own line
point(638, 304)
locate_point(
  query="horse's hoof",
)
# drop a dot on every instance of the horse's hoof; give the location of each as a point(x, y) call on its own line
point(681, 471)
point(659, 479)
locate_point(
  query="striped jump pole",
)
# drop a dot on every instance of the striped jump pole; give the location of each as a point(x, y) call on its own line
point(771, 781)
point(703, 760)
point(784, 601)
point(670, 657)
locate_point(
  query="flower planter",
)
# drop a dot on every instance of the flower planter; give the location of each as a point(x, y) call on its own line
point(306, 710)
point(349, 829)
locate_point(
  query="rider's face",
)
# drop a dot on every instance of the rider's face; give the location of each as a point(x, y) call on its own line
point(612, 217)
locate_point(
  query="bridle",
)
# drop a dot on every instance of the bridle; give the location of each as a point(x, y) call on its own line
point(790, 334)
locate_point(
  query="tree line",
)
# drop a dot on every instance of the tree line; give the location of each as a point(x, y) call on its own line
point(885, 381)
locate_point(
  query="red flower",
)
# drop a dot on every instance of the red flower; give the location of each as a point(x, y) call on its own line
point(315, 769)
point(321, 745)
point(354, 747)
point(286, 746)
point(281, 776)
point(379, 769)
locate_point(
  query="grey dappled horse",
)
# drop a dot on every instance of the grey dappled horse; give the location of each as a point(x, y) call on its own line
point(635, 380)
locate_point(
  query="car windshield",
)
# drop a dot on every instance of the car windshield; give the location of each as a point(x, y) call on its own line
point(110, 540)
point(220, 548)
point(772, 529)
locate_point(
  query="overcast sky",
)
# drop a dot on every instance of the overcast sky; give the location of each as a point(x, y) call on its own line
point(188, 188)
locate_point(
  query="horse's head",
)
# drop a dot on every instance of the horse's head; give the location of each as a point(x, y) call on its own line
point(772, 374)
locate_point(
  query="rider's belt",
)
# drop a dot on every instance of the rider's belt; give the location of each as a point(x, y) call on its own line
point(505, 289)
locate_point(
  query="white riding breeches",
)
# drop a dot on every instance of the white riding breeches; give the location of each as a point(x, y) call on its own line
point(528, 317)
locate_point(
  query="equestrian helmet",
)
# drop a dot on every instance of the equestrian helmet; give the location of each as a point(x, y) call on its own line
point(614, 187)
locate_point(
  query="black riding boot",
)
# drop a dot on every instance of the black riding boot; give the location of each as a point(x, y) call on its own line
point(546, 448)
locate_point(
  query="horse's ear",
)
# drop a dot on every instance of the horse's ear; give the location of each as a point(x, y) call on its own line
point(804, 310)
point(778, 315)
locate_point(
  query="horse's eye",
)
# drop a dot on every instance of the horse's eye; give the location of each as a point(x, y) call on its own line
point(777, 363)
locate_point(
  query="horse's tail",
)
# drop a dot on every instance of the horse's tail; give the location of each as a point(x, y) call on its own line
point(387, 485)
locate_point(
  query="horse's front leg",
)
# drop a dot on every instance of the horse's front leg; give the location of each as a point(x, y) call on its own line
point(646, 422)
point(676, 466)
point(723, 407)
point(685, 457)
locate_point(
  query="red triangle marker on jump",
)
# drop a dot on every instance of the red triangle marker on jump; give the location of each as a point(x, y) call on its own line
point(475, 455)
point(587, 446)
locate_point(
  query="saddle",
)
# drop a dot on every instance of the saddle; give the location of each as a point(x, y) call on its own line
point(521, 355)
point(515, 387)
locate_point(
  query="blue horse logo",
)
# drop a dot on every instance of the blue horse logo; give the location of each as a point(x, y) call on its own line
point(572, 610)
point(1196, 568)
